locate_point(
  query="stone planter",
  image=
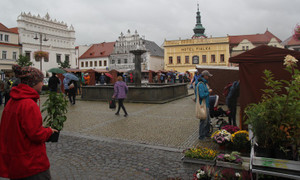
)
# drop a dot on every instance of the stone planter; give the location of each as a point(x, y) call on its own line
point(198, 161)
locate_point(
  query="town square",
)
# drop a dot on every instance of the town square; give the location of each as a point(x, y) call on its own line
point(158, 89)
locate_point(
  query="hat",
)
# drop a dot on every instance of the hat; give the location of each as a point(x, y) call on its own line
point(206, 73)
point(28, 75)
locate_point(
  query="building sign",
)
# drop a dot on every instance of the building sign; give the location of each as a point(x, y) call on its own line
point(195, 59)
point(192, 49)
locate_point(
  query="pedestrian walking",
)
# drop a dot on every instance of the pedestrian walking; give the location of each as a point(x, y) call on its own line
point(6, 89)
point(66, 85)
point(231, 101)
point(1, 91)
point(72, 91)
point(102, 79)
point(53, 83)
point(120, 93)
point(203, 92)
point(22, 135)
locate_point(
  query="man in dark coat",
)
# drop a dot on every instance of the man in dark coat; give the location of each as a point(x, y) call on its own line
point(53, 83)
point(231, 101)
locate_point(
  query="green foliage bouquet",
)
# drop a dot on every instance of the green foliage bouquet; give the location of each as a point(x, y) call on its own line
point(275, 121)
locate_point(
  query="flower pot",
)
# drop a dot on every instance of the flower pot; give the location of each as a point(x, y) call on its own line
point(198, 161)
point(54, 137)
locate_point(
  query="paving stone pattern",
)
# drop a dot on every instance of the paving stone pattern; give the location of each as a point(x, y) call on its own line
point(83, 158)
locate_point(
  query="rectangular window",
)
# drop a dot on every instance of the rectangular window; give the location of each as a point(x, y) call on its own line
point(1, 37)
point(213, 58)
point(82, 64)
point(86, 64)
point(14, 55)
point(222, 59)
point(187, 59)
point(119, 61)
point(247, 48)
point(125, 61)
point(95, 63)
point(67, 57)
point(58, 58)
point(27, 54)
point(243, 48)
point(6, 38)
point(105, 63)
point(112, 61)
point(203, 58)
point(100, 63)
point(178, 60)
point(91, 63)
point(4, 54)
point(170, 60)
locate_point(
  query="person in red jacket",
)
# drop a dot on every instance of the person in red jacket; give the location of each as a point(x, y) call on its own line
point(22, 135)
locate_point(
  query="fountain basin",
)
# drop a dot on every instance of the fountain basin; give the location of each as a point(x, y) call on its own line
point(150, 93)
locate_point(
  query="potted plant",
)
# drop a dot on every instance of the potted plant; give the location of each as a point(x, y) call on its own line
point(200, 155)
point(231, 129)
point(38, 55)
point(232, 160)
point(221, 137)
point(56, 108)
point(231, 174)
point(205, 173)
point(240, 141)
point(275, 119)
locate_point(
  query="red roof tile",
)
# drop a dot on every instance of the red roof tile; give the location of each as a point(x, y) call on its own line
point(11, 30)
point(99, 50)
point(253, 38)
point(291, 41)
point(14, 30)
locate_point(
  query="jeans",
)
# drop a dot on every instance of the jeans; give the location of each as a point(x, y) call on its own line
point(121, 105)
point(232, 114)
point(204, 126)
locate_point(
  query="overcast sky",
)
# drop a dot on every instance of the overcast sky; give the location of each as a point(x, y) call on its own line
point(96, 21)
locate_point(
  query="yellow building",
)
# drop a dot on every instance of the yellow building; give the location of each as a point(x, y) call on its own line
point(182, 55)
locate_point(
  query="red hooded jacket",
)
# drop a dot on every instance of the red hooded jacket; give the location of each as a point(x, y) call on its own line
point(22, 136)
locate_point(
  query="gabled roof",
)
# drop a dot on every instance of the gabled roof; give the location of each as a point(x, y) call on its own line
point(291, 41)
point(99, 50)
point(153, 48)
point(253, 38)
point(263, 54)
point(5, 29)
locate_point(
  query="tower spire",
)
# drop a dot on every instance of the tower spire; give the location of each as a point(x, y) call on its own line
point(199, 29)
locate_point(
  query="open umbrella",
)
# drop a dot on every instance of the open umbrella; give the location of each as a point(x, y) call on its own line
point(57, 71)
point(108, 75)
point(71, 76)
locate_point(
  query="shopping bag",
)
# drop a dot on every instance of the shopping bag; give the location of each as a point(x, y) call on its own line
point(200, 108)
point(112, 104)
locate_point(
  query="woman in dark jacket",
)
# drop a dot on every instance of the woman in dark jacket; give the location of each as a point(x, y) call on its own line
point(120, 92)
point(72, 91)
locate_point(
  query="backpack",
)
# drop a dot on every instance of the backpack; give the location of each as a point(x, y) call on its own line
point(227, 89)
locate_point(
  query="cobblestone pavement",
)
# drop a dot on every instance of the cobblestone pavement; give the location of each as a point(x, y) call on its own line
point(87, 158)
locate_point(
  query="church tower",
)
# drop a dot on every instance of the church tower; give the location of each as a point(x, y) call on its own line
point(199, 29)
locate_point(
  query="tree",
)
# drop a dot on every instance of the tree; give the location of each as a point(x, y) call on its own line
point(65, 64)
point(23, 61)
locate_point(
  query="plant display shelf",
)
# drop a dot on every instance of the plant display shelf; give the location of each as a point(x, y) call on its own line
point(198, 161)
point(244, 166)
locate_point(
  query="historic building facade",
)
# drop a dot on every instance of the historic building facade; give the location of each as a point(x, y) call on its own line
point(292, 43)
point(182, 55)
point(97, 56)
point(9, 47)
point(243, 43)
point(122, 60)
point(43, 33)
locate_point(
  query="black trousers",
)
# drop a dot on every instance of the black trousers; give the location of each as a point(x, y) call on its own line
point(232, 114)
point(40, 176)
point(121, 105)
point(72, 97)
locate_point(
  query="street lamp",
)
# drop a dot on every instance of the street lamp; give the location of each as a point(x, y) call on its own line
point(41, 42)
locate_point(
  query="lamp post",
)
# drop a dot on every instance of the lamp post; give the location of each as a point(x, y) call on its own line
point(41, 42)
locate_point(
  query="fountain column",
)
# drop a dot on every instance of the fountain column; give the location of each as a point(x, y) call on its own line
point(137, 73)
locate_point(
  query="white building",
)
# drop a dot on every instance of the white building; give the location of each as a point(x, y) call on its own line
point(122, 59)
point(79, 50)
point(56, 38)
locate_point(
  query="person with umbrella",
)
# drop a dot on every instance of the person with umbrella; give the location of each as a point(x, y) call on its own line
point(71, 86)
